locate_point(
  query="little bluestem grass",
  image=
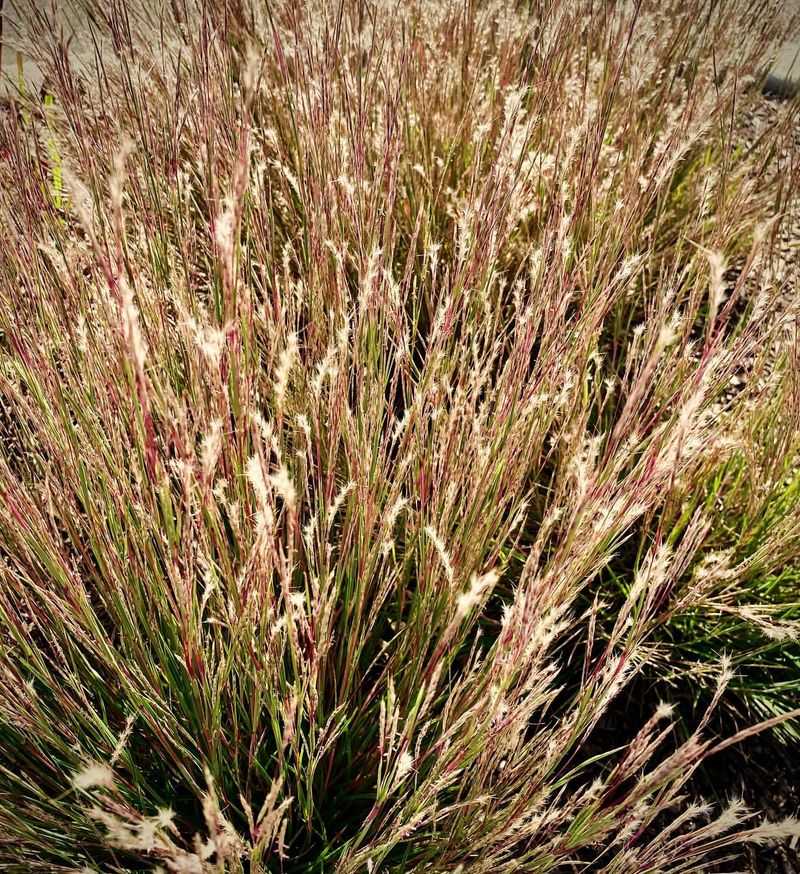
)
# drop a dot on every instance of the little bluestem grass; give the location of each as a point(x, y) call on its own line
point(364, 434)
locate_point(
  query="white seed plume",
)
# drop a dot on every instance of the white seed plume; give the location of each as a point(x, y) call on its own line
point(255, 474)
point(478, 587)
point(282, 371)
point(284, 486)
point(441, 550)
point(94, 775)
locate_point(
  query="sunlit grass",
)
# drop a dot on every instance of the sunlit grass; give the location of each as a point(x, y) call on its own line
point(366, 429)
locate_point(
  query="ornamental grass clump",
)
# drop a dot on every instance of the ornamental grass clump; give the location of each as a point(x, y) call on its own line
point(367, 436)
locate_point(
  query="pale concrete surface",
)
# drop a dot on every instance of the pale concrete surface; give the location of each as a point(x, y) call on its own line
point(11, 57)
point(786, 66)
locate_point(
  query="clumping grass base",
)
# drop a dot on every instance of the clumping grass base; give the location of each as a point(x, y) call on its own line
point(390, 392)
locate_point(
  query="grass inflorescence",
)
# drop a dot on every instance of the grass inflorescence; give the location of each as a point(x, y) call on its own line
point(389, 393)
